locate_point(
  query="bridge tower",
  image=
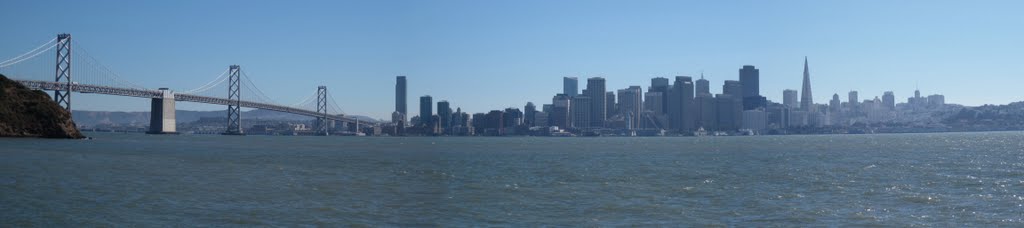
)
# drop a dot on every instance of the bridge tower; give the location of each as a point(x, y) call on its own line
point(321, 108)
point(235, 103)
point(62, 95)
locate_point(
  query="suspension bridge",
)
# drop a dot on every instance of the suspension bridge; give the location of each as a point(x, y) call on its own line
point(75, 71)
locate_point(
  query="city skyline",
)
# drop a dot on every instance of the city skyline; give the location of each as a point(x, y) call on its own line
point(735, 87)
point(860, 48)
point(685, 107)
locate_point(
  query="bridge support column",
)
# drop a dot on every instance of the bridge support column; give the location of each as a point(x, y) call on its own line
point(161, 116)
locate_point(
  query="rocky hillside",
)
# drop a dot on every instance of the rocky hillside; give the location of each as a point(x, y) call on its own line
point(30, 113)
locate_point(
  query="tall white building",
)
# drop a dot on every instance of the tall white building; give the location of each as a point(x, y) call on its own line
point(755, 120)
point(789, 98)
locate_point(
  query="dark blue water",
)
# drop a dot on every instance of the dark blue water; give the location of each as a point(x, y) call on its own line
point(956, 179)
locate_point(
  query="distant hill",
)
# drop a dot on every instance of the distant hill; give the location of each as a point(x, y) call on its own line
point(989, 117)
point(93, 118)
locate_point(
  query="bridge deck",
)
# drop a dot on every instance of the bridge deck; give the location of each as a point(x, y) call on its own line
point(145, 93)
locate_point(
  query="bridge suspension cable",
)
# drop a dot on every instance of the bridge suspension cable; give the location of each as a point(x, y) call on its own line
point(334, 105)
point(256, 91)
point(30, 54)
point(96, 72)
point(216, 81)
point(304, 102)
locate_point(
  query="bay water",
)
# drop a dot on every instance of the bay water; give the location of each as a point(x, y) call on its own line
point(943, 179)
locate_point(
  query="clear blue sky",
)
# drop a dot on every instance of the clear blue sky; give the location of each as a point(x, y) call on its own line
point(483, 55)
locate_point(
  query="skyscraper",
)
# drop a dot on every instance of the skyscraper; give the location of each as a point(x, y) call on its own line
point(630, 104)
point(459, 122)
point(704, 105)
point(917, 101)
point(399, 122)
point(547, 110)
point(398, 118)
point(729, 112)
point(703, 86)
point(467, 125)
point(659, 82)
point(598, 101)
point(512, 118)
point(493, 123)
point(610, 108)
point(426, 110)
point(531, 112)
point(478, 122)
point(733, 88)
point(750, 78)
point(582, 111)
point(889, 100)
point(681, 112)
point(561, 112)
point(570, 86)
point(789, 98)
point(653, 102)
point(444, 115)
point(400, 105)
point(674, 109)
point(540, 119)
point(689, 115)
point(661, 86)
point(778, 115)
point(805, 93)
point(834, 105)
point(852, 98)
point(755, 120)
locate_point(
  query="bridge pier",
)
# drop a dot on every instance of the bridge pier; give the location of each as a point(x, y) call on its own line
point(161, 115)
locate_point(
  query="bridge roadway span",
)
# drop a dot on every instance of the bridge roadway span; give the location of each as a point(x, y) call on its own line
point(145, 93)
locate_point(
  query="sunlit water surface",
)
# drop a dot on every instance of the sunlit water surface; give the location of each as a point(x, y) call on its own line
point(953, 179)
